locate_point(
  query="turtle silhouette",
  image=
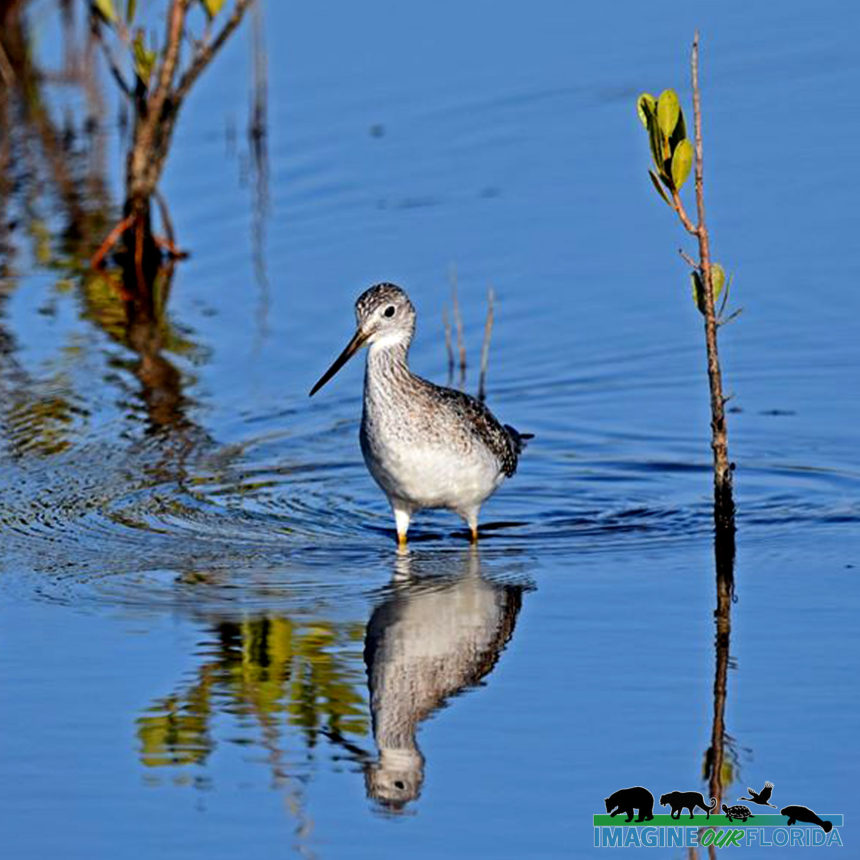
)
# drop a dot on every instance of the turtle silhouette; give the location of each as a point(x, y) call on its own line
point(805, 814)
point(742, 813)
point(761, 797)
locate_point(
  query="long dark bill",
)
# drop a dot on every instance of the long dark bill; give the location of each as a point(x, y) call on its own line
point(352, 348)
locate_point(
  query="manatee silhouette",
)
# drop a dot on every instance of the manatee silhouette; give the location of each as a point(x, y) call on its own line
point(804, 813)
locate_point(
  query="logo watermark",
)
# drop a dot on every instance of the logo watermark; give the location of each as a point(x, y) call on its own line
point(695, 822)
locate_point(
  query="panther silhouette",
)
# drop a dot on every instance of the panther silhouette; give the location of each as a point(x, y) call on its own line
point(680, 800)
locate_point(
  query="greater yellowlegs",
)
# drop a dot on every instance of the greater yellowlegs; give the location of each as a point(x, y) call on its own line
point(425, 445)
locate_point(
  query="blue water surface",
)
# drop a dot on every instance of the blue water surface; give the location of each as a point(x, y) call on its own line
point(192, 608)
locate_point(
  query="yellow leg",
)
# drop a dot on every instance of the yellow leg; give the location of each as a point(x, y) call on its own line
point(401, 520)
point(472, 521)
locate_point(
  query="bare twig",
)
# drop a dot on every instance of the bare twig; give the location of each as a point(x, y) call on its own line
point(730, 317)
point(449, 350)
point(688, 259)
point(485, 347)
point(458, 322)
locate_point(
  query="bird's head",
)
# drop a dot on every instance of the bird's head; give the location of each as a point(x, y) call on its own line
point(384, 318)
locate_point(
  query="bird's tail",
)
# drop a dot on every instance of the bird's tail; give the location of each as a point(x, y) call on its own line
point(520, 440)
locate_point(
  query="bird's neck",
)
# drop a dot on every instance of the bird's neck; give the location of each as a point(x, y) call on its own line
point(387, 367)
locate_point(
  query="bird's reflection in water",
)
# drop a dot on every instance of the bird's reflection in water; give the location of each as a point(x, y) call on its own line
point(433, 636)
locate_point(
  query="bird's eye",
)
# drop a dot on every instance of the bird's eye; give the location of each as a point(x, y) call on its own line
point(389, 311)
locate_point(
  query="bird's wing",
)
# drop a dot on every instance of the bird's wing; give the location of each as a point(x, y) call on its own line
point(766, 793)
point(505, 443)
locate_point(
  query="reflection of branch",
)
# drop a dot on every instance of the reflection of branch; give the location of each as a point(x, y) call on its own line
point(724, 553)
point(715, 757)
point(206, 52)
point(446, 324)
point(6, 70)
point(110, 59)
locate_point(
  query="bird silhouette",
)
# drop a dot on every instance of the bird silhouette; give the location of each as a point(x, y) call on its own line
point(761, 797)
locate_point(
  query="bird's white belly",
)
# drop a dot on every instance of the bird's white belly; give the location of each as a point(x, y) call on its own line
point(427, 476)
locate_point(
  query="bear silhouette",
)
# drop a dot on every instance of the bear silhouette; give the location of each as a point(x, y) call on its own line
point(627, 799)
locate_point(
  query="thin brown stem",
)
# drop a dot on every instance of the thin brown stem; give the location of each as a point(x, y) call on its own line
point(688, 259)
point(458, 322)
point(449, 349)
point(719, 432)
point(485, 347)
point(678, 206)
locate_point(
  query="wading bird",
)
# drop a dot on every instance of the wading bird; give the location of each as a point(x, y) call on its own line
point(761, 797)
point(425, 445)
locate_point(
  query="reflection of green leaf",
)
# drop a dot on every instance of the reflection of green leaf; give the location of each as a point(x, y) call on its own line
point(213, 7)
point(646, 104)
point(312, 672)
point(130, 9)
point(42, 236)
point(105, 9)
point(682, 161)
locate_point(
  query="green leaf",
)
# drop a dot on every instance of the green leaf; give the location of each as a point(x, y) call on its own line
point(668, 111)
point(646, 105)
point(659, 147)
point(143, 60)
point(212, 7)
point(718, 281)
point(698, 291)
point(682, 161)
point(658, 186)
point(105, 9)
point(130, 9)
point(680, 132)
